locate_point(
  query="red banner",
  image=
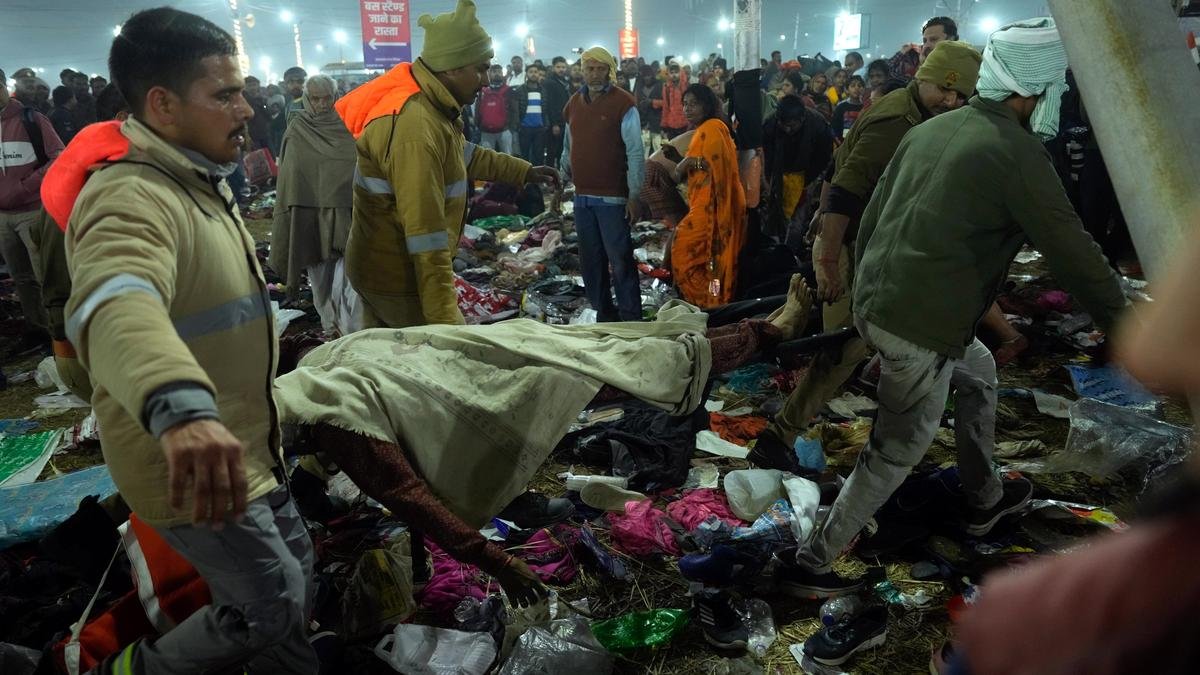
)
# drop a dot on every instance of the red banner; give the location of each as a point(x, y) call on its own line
point(386, 33)
point(627, 38)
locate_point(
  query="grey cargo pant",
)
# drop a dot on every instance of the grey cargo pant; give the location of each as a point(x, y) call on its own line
point(259, 570)
point(913, 386)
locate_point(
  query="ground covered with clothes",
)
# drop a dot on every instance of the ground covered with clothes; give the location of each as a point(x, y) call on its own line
point(670, 546)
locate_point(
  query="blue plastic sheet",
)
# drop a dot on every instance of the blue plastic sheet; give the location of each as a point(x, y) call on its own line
point(29, 512)
point(1113, 386)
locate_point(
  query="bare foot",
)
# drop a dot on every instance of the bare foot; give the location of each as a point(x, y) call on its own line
point(792, 318)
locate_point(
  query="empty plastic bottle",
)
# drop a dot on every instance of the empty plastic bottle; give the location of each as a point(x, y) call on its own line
point(756, 617)
point(836, 610)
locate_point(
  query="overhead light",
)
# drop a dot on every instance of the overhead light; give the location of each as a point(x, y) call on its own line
point(116, 30)
point(320, 48)
point(287, 16)
point(723, 25)
point(340, 37)
point(661, 41)
point(695, 57)
point(719, 46)
point(782, 38)
point(989, 24)
point(522, 30)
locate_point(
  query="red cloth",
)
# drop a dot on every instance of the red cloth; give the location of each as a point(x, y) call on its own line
point(1130, 603)
point(737, 430)
point(697, 505)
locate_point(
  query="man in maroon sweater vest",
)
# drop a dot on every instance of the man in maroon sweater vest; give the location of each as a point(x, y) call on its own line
point(603, 154)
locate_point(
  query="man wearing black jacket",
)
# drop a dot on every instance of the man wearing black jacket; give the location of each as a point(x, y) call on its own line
point(556, 91)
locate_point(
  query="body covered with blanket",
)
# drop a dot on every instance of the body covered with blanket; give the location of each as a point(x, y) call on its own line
point(478, 409)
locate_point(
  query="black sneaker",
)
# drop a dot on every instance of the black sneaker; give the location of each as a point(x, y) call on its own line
point(532, 511)
point(721, 625)
point(798, 582)
point(1017, 493)
point(835, 645)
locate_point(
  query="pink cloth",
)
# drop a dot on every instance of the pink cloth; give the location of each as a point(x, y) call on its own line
point(1129, 603)
point(697, 505)
point(451, 582)
point(642, 530)
point(549, 558)
point(1055, 301)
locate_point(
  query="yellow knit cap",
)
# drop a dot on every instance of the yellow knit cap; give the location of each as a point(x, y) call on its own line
point(953, 65)
point(455, 40)
point(603, 56)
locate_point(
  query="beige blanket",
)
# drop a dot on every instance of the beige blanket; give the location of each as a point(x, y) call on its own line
point(479, 408)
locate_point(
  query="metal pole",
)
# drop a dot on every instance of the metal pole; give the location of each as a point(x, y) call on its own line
point(747, 23)
point(1140, 85)
point(243, 58)
point(296, 34)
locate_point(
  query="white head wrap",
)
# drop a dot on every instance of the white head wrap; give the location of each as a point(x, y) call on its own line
point(1027, 58)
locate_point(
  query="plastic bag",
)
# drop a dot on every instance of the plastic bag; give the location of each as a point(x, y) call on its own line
point(380, 590)
point(425, 650)
point(1105, 438)
point(564, 646)
point(752, 491)
point(636, 630)
point(46, 376)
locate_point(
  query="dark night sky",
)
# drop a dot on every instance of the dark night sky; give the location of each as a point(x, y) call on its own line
point(56, 34)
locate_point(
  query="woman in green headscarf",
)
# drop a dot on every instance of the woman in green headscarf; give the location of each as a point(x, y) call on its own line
point(313, 207)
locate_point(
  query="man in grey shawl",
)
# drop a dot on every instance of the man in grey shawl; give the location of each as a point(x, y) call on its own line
point(313, 207)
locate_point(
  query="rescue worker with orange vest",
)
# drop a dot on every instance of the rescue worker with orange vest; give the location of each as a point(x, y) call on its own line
point(170, 315)
point(415, 174)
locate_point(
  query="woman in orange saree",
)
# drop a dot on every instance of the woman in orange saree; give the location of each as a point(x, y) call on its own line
point(708, 240)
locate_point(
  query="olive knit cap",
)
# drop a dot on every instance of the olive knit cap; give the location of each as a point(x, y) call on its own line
point(455, 39)
point(953, 65)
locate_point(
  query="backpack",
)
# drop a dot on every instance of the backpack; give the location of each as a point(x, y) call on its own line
point(34, 131)
point(493, 109)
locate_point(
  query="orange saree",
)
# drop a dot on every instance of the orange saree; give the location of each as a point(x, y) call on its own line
point(708, 240)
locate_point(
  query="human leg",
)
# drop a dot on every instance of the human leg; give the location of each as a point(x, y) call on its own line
point(258, 570)
point(829, 370)
point(618, 245)
point(320, 280)
point(912, 396)
point(490, 140)
point(15, 245)
point(974, 381)
point(347, 305)
point(594, 261)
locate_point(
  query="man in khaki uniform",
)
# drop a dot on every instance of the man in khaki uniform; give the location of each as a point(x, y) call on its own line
point(415, 174)
point(170, 315)
point(942, 84)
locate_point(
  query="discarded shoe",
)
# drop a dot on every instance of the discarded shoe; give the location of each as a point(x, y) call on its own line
point(836, 644)
point(608, 497)
point(769, 452)
point(531, 511)
point(720, 624)
point(798, 582)
point(719, 567)
point(1017, 493)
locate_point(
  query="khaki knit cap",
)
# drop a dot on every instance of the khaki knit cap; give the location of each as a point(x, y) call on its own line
point(455, 40)
point(953, 65)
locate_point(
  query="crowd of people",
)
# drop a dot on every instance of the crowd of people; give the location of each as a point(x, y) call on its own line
point(906, 185)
